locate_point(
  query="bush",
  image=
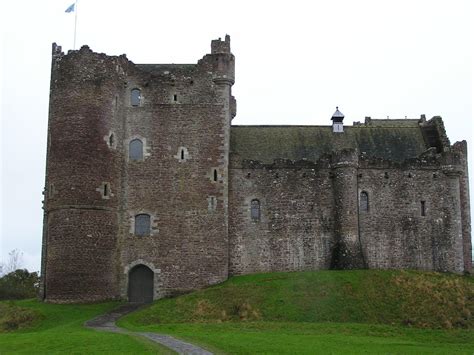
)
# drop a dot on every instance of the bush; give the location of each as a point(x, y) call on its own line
point(433, 300)
point(19, 284)
point(13, 317)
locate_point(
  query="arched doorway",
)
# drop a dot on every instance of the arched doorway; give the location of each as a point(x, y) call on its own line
point(140, 284)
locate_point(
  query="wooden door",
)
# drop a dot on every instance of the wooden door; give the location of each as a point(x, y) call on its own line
point(140, 284)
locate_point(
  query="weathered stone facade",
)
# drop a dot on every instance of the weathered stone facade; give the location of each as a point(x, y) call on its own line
point(144, 172)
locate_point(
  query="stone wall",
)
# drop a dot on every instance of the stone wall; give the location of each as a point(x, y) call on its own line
point(295, 230)
point(311, 216)
point(81, 223)
point(397, 233)
point(183, 120)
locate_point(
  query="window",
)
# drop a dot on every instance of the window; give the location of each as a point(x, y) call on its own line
point(423, 208)
point(255, 210)
point(106, 190)
point(135, 149)
point(142, 224)
point(212, 203)
point(51, 191)
point(111, 140)
point(135, 97)
point(175, 97)
point(364, 202)
point(215, 175)
point(182, 155)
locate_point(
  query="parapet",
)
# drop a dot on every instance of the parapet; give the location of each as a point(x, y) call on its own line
point(219, 46)
point(434, 134)
point(56, 50)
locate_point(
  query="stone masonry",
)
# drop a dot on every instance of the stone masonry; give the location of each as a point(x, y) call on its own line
point(146, 176)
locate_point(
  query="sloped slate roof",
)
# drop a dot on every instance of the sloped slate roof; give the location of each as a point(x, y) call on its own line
point(267, 143)
point(337, 114)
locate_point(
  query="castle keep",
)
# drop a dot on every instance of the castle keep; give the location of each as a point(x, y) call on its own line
point(150, 191)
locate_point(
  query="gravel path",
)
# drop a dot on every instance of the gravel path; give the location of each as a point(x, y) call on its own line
point(106, 322)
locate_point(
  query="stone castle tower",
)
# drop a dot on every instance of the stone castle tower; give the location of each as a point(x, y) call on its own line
point(151, 192)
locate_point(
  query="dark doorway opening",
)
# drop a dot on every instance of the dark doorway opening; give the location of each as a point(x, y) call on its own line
point(140, 284)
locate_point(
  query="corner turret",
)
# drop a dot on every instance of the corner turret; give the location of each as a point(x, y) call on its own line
point(218, 46)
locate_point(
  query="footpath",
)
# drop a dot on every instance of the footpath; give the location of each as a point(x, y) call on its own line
point(106, 322)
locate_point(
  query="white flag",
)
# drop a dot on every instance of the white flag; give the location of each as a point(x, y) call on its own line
point(71, 8)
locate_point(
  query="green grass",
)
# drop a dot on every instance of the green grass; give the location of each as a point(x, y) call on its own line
point(333, 312)
point(368, 311)
point(317, 338)
point(59, 330)
point(429, 300)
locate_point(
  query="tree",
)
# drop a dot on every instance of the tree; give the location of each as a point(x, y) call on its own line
point(14, 262)
point(19, 284)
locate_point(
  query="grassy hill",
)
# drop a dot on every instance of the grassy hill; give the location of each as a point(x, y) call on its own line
point(427, 300)
point(336, 312)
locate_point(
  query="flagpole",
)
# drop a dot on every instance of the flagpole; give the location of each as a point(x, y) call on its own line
point(75, 22)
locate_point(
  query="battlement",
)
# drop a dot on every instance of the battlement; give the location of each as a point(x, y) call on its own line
point(219, 46)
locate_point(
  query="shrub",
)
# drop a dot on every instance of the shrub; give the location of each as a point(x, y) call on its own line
point(13, 317)
point(433, 300)
point(19, 284)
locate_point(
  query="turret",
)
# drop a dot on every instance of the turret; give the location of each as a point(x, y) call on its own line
point(82, 177)
point(347, 252)
point(337, 118)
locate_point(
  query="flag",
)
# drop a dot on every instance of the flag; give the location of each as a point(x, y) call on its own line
point(71, 8)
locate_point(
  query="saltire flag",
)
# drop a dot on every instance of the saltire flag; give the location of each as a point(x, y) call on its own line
point(71, 8)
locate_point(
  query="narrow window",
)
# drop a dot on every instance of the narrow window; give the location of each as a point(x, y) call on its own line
point(135, 149)
point(212, 203)
point(175, 97)
point(51, 191)
point(142, 224)
point(255, 210)
point(182, 154)
point(215, 174)
point(423, 208)
point(106, 190)
point(135, 97)
point(364, 202)
point(111, 140)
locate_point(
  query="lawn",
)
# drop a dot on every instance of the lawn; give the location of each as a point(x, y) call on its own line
point(59, 330)
point(317, 338)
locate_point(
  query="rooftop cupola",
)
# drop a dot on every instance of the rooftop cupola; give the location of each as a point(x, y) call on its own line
point(337, 118)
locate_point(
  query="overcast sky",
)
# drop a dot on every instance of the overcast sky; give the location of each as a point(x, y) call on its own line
point(295, 61)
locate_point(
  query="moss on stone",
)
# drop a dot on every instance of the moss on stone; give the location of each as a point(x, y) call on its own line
point(267, 143)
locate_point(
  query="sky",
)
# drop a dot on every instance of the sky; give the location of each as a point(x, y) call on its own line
point(295, 62)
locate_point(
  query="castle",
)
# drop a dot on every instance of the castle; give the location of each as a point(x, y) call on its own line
point(150, 191)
